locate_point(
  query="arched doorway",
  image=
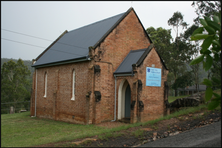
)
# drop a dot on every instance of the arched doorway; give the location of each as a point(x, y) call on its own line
point(127, 101)
point(124, 100)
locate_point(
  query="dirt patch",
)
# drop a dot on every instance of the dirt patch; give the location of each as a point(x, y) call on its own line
point(161, 129)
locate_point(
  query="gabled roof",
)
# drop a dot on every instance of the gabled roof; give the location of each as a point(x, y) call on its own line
point(73, 45)
point(126, 66)
point(135, 57)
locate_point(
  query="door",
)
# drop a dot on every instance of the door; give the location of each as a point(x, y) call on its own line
point(127, 101)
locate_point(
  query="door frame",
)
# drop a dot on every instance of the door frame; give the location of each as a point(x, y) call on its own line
point(121, 98)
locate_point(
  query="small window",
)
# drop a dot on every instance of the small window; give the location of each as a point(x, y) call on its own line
point(45, 85)
point(73, 85)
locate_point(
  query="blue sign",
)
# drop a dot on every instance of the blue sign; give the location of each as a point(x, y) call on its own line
point(153, 76)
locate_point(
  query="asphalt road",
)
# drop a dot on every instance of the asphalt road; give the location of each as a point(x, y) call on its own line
point(206, 136)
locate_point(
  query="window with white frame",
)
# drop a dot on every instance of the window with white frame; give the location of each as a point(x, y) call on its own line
point(73, 85)
point(45, 85)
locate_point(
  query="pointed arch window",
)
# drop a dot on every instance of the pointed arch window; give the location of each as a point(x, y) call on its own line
point(73, 84)
point(45, 85)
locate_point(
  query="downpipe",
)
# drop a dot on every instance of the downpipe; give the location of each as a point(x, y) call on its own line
point(35, 92)
point(115, 102)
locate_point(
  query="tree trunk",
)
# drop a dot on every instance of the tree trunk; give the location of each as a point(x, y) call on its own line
point(175, 92)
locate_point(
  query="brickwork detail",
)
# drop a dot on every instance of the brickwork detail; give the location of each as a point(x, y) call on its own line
point(57, 105)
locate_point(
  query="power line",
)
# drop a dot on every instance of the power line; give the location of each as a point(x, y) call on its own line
point(25, 34)
point(40, 46)
point(22, 43)
point(42, 38)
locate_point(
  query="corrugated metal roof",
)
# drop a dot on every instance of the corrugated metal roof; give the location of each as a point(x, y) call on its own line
point(130, 59)
point(74, 44)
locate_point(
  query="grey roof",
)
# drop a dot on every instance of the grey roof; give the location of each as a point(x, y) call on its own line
point(132, 58)
point(135, 57)
point(193, 87)
point(74, 44)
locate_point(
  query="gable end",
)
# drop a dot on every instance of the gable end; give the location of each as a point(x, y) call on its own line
point(117, 23)
point(140, 61)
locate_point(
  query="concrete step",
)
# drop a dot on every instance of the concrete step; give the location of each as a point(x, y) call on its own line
point(125, 120)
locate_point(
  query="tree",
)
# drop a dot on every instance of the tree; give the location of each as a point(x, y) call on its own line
point(182, 51)
point(14, 82)
point(174, 56)
point(210, 33)
point(195, 51)
point(177, 21)
point(209, 9)
point(183, 81)
point(206, 8)
point(216, 73)
point(162, 40)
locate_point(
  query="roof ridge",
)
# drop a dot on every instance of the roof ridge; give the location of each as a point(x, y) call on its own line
point(127, 57)
point(97, 22)
point(114, 25)
point(137, 50)
point(123, 61)
point(148, 49)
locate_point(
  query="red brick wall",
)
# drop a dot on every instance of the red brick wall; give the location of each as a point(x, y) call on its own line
point(58, 104)
point(128, 35)
point(152, 97)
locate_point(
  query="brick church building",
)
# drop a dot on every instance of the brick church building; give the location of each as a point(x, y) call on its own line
point(98, 73)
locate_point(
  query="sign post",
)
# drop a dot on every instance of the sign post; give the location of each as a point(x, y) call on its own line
point(153, 77)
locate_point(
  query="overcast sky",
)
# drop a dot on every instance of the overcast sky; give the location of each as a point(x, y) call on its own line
point(48, 20)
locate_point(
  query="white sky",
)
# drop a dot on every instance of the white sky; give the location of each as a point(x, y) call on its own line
point(48, 20)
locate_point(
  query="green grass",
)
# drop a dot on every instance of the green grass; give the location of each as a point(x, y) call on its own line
point(110, 134)
point(21, 130)
point(218, 91)
point(172, 98)
point(138, 133)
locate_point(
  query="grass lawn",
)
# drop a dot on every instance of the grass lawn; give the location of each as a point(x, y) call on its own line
point(21, 130)
point(172, 98)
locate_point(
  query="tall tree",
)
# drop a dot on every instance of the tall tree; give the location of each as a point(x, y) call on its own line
point(183, 81)
point(195, 51)
point(177, 21)
point(182, 51)
point(216, 73)
point(173, 57)
point(209, 9)
point(206, 8)
point(210, 33)
point(14, 81)
point(162, 40)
